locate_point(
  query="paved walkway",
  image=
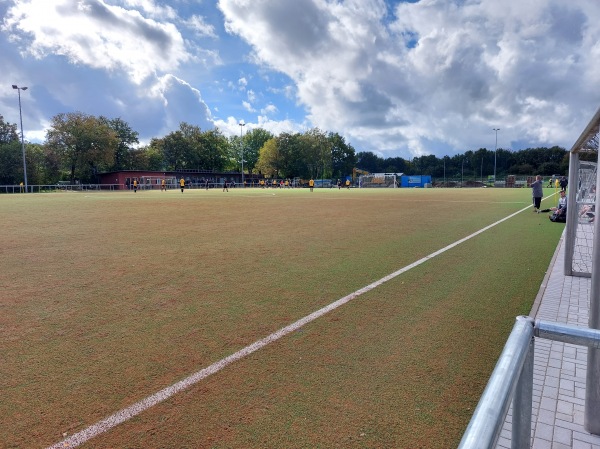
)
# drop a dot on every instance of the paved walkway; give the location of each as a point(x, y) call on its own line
point(560, 368)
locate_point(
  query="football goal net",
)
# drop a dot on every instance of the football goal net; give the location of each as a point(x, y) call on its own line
point(389, 180)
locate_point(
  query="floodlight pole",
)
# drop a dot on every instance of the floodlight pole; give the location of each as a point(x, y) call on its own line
point(242, 147)
point(481, 171)
point(19, 89)
point(495, 151)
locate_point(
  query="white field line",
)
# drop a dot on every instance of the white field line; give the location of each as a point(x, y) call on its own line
point(137, 408)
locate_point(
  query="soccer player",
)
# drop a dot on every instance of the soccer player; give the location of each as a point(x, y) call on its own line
point(182, 184)
point(134, 185)
point(311, 184)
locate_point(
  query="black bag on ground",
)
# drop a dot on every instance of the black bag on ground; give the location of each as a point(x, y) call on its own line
point(558, 217)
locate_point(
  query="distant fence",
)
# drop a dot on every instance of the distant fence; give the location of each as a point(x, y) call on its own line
point(41, 188)
point(46, 188)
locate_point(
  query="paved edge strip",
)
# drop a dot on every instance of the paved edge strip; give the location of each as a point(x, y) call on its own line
point(535, 307)
point(133, 410)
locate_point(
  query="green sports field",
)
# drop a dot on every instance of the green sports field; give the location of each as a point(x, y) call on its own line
point(107, 298)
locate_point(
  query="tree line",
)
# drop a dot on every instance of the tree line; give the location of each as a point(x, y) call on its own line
point(79, 146)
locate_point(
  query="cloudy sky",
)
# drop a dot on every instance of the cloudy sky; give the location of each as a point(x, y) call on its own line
point(399, 78)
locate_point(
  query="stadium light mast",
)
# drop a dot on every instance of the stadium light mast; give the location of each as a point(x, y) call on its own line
point(481, 171)
point(445, 172)
point(495, 151)
point(242, 124)
point(19, 89)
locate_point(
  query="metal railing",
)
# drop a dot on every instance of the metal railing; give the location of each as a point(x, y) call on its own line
point(512, 380)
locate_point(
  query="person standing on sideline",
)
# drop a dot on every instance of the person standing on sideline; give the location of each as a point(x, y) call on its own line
point(537, 192)
point(134, 185)
point(563, 184)
point(225, 189)
point(182, 184)
point(311, 184)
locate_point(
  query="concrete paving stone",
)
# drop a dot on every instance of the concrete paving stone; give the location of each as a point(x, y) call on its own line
point(588, 438)
point(546, 417)
point(544, 431)
point(567, 425)
point(503, 443)
point(541, 444)
point(552, 372)
point(577, 444)
point(568, 367)
point(574, 400)
point(570, 349)
point(562, 435)
point(565, 407)
point(566, 384)
point(560, 446)
point(551, 382)
point(555, 362)
point(580, 393)
point(548, 404)
point(582, 354)
point(564, 417)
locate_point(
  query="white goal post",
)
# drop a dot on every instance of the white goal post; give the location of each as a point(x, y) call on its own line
point(379, 180)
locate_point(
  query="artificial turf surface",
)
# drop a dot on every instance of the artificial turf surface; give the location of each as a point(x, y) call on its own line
point(107, 298)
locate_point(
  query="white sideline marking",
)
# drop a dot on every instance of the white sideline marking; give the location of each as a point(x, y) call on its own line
point(137, 408)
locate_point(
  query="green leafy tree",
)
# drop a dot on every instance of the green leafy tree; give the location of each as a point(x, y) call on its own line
point(127, 138)
point(316, 149)
point(253, 141)
point(195, 155)
point(215, 149)
point(292, 155)
point(269, 159)
point(370, 162)
point(11, 155)
point(11, 163)
point(148, 158)
point(190, 148)
point(343, 157)
point(549, 169)
point(521, 169)
point(8, 132)
point(84, 144)
point(40, 169)
point(175, 150)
